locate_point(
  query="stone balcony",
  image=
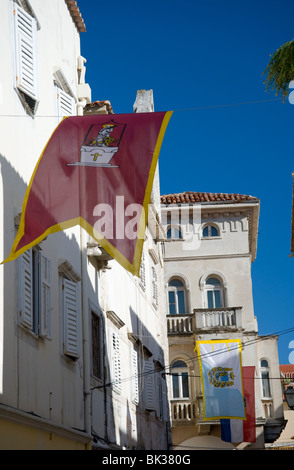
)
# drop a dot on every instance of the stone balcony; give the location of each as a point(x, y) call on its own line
point(183, 412)
point(202, 320)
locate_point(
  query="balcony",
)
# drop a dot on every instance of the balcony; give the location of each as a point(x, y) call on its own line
point(183, 412)
point(202, 320)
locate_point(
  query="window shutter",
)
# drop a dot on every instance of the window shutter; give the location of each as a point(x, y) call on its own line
point(70, 297)
point(116, 363)
point(143, 272)
point(26, 51)
point(163, 399)
point(26, 289)
point(45, 304)
point(154, 288)
point(135, 382)
point(149, 386)
point(66, 104)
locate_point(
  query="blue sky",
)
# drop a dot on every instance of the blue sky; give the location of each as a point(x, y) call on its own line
point(204, 60)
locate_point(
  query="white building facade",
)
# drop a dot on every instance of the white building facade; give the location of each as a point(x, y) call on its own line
point(209, 296)
point(83, 342)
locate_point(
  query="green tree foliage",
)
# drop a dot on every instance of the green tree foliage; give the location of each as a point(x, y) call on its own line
point(280, 70)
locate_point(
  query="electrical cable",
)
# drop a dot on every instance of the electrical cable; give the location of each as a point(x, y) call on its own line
point(161, 370)
point(196, 108)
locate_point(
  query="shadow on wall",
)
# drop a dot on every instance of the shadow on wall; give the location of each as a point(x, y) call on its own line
point(152, 417)
point(38, 378)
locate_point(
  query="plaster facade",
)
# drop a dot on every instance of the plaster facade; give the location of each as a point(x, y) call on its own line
point(64, 385)
point(214, 268)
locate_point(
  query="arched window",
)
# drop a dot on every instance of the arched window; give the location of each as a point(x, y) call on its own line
point(176, 297)
point(174, 233)
point(214, 293)
point(180, 380)
point(210, 231)
point(265, 379)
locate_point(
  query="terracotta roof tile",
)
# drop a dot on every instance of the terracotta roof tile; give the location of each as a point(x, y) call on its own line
point(287, 368)
point(76, 15)
point(194, 197)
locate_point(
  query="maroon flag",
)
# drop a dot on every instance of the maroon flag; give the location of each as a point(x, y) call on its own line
point(97, 172)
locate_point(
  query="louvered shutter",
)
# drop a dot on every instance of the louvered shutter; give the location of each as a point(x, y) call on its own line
point(143, 272)
point(135, 381)
point(66, 104)
point(26, 289)
point(70, 297)
point(45, 295)
point(149, 385)
point(116, 362)
point(25, 28)
point(154, 288)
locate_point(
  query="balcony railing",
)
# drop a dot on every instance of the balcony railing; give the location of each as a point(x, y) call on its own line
point(183, 411)
point(180, 324)
point(205, 319)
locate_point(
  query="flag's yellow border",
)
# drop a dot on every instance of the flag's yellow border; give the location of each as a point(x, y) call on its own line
point(212, 342)
point(134, 267)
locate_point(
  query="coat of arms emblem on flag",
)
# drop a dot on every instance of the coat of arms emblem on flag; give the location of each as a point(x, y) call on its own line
point(101, 144)
point(221, 377)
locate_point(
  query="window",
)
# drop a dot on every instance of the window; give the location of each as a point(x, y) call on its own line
point(70, 304)
point(115, 362)
point(214, 293)
point(96, 346)
point(180, 380)
point(265, 380)
point(210, 231)
point(143, 272)
point(71, 311)
point(135, 378)
point(154, 288)
point(26, 66)
point(149, 385)
point(174, 233)
point(35, 292)
point(176, 297)
point(65, 103)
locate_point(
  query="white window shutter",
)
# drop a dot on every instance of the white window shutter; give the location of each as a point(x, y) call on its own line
point(149, 386)
point(143, 272)
point(116, 362)
point(66, 104)
point(154, 288)
point(26, 289)
point(45, 294)
point(70, 298)
point(25, 27)
point(135, 381)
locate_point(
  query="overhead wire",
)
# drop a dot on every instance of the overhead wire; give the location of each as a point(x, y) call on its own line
point(195, 108)
point(213, 353)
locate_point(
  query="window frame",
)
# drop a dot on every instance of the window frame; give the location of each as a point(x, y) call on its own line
point(173, 237)
point(26, 73)
point(265, 379)
point(181, 372)
point(209, 227)
point(154, 287)
point(214, 289)
point(35, 293)
point(96, 345)
point(71, 318)
point(176, 290)
point(116, 369)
